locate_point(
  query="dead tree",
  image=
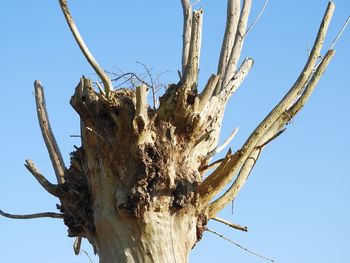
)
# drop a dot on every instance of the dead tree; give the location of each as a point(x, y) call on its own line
point(137, 187)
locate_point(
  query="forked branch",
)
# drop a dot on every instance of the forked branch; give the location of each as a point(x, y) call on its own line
point(49, 138)
point(259, 135)
point(238, 44)
point(270, 135)
point(99, 71)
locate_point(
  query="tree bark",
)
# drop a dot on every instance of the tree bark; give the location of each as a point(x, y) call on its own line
point(136, 188)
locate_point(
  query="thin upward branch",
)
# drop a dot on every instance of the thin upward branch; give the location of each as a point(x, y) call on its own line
point(84, 49)
point(233, 13)
point(190, 76)
point(186, 35)
point(49, 138)
point(32, 216)
point(238, 44)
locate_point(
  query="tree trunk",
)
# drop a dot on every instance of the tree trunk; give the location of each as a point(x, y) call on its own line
point(137, 187)
point(139, 196)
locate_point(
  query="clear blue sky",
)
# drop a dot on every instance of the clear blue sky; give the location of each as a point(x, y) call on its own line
point(296, 202)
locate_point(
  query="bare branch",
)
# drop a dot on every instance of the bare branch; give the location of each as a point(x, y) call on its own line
point(206, 94)
point(49, 138)
point(228, 223)
point(296, 88)
point(51, 188)
point(245, 158)
point(238, 44)
point(256, 19)
point(84, 49)
point(293, 110)
point(223, 146)
point(186, 36)
point(273, 132)
point(237, 79)
point(233, 14)
point(240, 246)
point(190, 76)
point(31, 216)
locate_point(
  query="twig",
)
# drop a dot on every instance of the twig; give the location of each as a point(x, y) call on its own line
point(51, 188)
point(240, 246)
point(257, 18)
point(84, 49)
point(87, 255)
point(49, 138)
point(32, 216)
point(340, 33)
point(228, 223)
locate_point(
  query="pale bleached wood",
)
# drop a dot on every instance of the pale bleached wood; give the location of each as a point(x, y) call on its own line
point(230, 224)
point(232, 86)
point(190, 76)
point(141, 101)
point(204, 97)
point(186, 35)
point(46, 131)
point(271, 134)
point(84, 49)
point(49, 187)
point(294, 109)
point(239, 158)
point(233, 14)
point(238, 44)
